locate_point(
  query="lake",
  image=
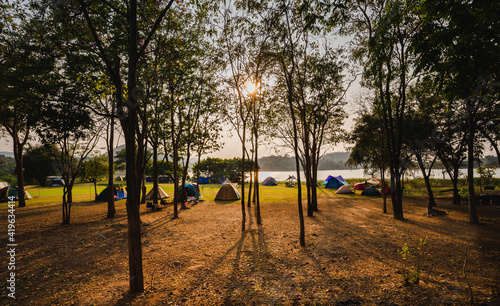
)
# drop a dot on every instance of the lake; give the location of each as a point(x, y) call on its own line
point(357, 173)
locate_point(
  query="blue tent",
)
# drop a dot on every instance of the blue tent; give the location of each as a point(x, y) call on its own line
point(203, 180)
point(191, 190)
point(119, 193)
point(149, 179)
point(326, 180)
point(340, 178)
point(336, 182)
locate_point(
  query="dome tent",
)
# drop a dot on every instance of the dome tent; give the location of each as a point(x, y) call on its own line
point(344, 190)
point(161, 194)
point(228, 193)
point(269, 181)
point(119, 193)
point(336, 182)
point(370, 191)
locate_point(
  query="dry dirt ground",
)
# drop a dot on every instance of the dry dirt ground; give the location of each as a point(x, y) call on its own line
point(202, 258)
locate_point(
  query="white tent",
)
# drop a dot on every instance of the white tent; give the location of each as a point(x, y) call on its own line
point(161, 194)
point(226, 181)
point(344, 190)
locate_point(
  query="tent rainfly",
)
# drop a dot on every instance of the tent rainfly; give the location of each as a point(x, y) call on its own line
point(374, 182)
point(359, 186)
point(161, 194)
point(336, 182)
point(326, 180)
point(269, 181)
point(344, 190)
point(228, 193)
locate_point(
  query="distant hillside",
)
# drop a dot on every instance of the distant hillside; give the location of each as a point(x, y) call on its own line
point(331, 161)
point(7, 154)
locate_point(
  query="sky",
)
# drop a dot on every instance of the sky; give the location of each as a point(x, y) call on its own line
point(232, 145)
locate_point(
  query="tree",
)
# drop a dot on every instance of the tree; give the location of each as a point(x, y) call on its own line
point(383, 47)
point(68, 128)
point(369, 149)
point(94, 169)
point(119, 32)
point(39, 164)
point(459, 40)
point(25, 68)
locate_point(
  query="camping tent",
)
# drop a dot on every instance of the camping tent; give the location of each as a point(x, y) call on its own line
point(119, 193)
point(269, 181)
point(344, 190)
point(164, 179)
point(359, 186)
point(54, 181)
point(226, 181)
point(3, 184)
point(289, 182)
point(203, 180)
point(326, 180)
point(161, 194)
point(119, 178)
point(373, 182)
point(228, 193)
point(149, 179)
point(336, 182)
point(370, 191)
point(192, 190)
point(10, 193)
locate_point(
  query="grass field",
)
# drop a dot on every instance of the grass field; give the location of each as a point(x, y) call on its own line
point(84, 192)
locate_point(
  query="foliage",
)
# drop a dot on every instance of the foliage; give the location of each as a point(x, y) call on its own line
point(94, 169)
point(412, 274)
point(39, 164)
point(486, 174)
point(218, 168)
point(7, 168)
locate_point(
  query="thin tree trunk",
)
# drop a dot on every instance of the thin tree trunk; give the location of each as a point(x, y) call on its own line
point(473, 218)
point(18, 156)
point(243, 214)
point(111, 140)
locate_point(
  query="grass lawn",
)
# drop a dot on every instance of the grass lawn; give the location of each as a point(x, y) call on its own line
point(203, 258)
point(84, 192)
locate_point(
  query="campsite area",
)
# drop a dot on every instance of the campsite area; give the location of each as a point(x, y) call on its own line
point(352, 255)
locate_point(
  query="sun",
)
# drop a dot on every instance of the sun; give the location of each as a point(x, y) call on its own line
point(251, 87)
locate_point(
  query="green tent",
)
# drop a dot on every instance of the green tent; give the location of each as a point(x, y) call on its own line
point(10, 193)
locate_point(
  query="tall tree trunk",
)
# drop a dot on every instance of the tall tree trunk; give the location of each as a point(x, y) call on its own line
point(256, 170)
point(111, 198)
point(175, 157)
point(111, 141)
point(18, 157)
point(155, 174)
point(384, 193)
point(243, 213)
point(136, 277)
point(473, 218)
